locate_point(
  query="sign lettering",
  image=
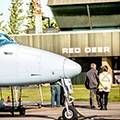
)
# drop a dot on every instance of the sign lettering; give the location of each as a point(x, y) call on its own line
point(87, 50)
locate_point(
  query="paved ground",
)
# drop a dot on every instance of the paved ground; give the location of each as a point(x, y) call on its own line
point(48, 113)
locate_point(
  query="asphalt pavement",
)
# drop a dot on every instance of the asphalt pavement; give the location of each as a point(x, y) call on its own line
point(33, 112)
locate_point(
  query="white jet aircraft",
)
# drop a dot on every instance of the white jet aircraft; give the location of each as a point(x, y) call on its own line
point(21, 65)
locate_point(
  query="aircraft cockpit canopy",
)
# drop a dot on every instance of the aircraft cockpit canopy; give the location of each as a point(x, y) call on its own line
point(5, 39)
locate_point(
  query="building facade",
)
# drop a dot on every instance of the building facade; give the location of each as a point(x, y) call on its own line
point(80, 15)
point(85, 14)
point(89, 34)
point(100, 47)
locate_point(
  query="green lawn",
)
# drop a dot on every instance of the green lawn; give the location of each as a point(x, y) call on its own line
point(79, 94)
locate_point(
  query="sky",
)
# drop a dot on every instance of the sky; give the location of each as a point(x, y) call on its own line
point(4, 5)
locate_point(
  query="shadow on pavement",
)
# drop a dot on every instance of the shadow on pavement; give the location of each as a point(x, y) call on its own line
point(24, 116)
point(100, 117)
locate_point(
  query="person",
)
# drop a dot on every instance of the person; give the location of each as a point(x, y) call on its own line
point(93, 77)
point(55, 94)
point(104, 86)
point(62, 97)
point(100, 70)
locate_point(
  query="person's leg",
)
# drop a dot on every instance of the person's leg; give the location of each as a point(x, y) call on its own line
point(52, 95)
point(98, 97)
point(101, 100)
point(62, 97)
point(106, 99)
point(58, 95)
point(92, 98)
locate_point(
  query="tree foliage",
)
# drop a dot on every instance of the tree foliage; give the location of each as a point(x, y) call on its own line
point(16, 20)
point(52, 23)
point(30, 15)
point(3, 28)
point(31, 18)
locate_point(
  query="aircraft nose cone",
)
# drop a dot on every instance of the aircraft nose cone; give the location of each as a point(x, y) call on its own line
point(71, 68)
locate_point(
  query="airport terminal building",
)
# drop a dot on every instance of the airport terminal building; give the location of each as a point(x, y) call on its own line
point(89, 33)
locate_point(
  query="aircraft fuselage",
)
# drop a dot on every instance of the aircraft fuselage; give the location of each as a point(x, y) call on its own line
point(20, 65)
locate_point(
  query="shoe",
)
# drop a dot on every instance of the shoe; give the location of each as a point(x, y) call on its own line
point(52, 106)
point(99, 105)
point(106, 108)
point(62, 105)
point(93, 107)
point(106, 100)
point(101, 108)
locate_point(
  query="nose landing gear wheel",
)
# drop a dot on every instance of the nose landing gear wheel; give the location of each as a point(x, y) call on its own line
point(72, 115)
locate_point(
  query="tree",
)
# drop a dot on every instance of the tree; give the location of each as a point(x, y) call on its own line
point(16, 20)
point(49, 23)
point(31, 15)
point(31, 18)
point(53, 23)
point(3, 28)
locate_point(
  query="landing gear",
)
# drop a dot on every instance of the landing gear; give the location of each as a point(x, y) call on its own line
point(12, 110)
point(22, 111)
point(70, 115)
point(20, 108)
point(69, 112)
point(39, 105)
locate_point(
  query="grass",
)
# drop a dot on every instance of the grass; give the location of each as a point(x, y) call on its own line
point(79, 94)
point(114, 95)
point(78, 86)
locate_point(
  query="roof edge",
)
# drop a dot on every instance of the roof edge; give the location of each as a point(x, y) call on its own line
point(76, 2)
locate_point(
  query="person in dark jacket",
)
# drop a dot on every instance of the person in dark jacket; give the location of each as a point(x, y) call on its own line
point(93, 77)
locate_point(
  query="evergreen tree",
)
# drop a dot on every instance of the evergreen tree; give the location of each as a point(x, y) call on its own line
point(1, 21)
point(16, 21)
point(52, 23)
point(31, 18)
point(31, 15)
point(3, 28)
